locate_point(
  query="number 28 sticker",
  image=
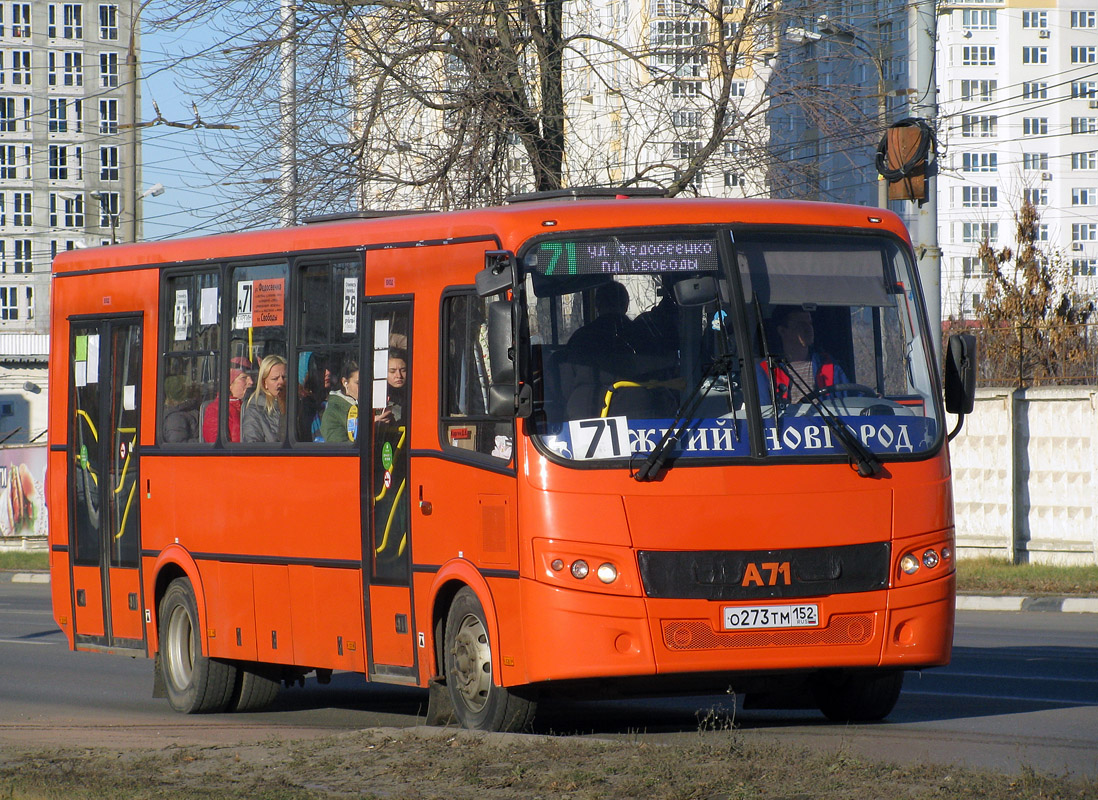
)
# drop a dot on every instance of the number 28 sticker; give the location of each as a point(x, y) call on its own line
point(601, 437)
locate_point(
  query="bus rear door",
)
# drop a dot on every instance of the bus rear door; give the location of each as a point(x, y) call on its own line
point(104, 481)
point(385, 428)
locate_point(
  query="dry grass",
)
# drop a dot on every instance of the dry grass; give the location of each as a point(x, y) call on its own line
point(997, 577)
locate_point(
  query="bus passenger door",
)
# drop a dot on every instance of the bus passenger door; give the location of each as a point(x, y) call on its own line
point(384, 439)
point(104, 483)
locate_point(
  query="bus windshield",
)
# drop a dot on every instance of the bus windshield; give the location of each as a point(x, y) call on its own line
point(816, 351)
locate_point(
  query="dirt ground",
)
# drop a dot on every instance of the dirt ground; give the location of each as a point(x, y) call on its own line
point(458, 765)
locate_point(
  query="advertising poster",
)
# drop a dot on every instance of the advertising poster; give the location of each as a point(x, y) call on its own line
point(22, 492)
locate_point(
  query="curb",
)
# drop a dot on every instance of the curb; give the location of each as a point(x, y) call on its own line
point(1071, 605)
point(25, 577)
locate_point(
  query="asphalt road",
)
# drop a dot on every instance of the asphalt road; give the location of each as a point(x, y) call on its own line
point(1022, 691)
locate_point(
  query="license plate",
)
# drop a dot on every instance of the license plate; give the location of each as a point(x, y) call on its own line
point(741, 618)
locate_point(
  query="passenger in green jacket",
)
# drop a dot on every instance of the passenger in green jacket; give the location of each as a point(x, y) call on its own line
point(340, 420)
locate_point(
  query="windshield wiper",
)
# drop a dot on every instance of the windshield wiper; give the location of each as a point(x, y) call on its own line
point(865, 460)
point(653, 463)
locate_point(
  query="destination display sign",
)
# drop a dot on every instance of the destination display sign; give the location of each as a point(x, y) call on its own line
point(614, 256)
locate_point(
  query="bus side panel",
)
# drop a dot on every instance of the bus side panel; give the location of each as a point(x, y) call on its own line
point(88, 588)
point(273, 625)
point(327, 617)
point(61, 592)
point(233, 609)
point(126, 617)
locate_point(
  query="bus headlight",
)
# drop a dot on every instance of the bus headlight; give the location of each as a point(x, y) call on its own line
point(909, 564)
point(930, 559)
point(580, 569)
point(607, 573)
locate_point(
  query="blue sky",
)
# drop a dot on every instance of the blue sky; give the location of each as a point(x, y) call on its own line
point(192, 203)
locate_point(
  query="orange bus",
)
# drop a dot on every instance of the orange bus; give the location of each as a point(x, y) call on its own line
point(612, 443)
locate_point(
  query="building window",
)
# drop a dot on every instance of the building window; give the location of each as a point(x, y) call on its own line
point(7, 115)
point(979, 126)
point(108, 22)
point(108, 163)
point(686, 119)
point(74, 68)
point(979, 196)
point(1084, 197)
point(1039, 197)
point(23, 260)
point(9, 303)
point(1078, 125)
point(1034, 19)
point(1084, 267)
point(71, 21)
point(59, 162)
point(979, 162)
point(684, 150)
point(7, 162)
point(733, 179)
point(1035, 90)
point(108, 209)
point(1085, 90)
point(108, 116)
point(1084, 55)
point(978, 232)
point(58, 119)
point(1084, 19)
point(973, 267)
point(1034, 55)
point(1035, 161)
point(108, 70)
point(978, 19)
point(1084, 232)
point(1085, 160)
point(978, 90)
point(20, 68)
point(685, 88)
point(21, 214)
point(21, 20)
point(1035, 126)
point(978, 56)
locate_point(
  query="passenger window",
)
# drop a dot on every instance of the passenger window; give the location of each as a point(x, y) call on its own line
point(257, 351)
point(466, 424)
point(327, 351)
point(189, 375)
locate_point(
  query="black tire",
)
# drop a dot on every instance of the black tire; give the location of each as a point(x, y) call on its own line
point(194, 683)
point(256, 687)
point(857, 696)
point(479, 702)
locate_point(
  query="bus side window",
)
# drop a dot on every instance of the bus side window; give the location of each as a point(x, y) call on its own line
point(327, 350)
point(466, 377)
point(189, 370)
point(257, 346)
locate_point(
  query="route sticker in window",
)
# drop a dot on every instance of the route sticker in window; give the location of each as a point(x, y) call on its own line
point(244, 301)
point(350, 305)
point(601, 437)
point(182, 315)
point(267, 302)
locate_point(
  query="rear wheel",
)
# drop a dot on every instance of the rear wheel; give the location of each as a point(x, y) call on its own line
point(194, 683)
point(256, 687)
point(854, 696)
point(479, 703)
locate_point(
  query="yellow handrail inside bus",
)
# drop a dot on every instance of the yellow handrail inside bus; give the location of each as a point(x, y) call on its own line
point(82, 413)
point(389, 522)
point(125, 469)
point(674, 383)
point(126, 513)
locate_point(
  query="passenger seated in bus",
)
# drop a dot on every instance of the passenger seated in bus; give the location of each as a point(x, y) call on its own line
point(812, 368)
point(240, 382)
point(263, 418)
point(313, 389)
point(339, 424)
point(181, 401)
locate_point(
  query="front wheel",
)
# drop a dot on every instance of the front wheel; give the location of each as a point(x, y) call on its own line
point(857, 696)
point(194, 683)
point(479, 702)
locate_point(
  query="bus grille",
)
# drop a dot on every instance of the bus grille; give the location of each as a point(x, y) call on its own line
point(696, 634)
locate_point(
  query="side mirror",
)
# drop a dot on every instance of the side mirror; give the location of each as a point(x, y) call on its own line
point(506, 398)
point(498, 274)
point(960, 374)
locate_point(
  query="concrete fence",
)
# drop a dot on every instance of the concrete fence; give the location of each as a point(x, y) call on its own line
point(1025, 472)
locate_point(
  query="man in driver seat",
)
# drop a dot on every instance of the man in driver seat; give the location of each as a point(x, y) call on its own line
point(813, 370)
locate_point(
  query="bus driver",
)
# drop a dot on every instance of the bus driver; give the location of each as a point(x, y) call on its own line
point(813, 370)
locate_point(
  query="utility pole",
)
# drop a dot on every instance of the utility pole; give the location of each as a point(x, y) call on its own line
point(288, 112)
point(924, 21)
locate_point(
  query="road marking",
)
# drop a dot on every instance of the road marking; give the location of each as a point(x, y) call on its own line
point(1013, 698)
point(22, 641)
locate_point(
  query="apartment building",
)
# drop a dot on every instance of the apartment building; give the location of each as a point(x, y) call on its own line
point(67, 147)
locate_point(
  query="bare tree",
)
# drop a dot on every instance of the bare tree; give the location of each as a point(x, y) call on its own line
point(1033, 323)
point(453, 103)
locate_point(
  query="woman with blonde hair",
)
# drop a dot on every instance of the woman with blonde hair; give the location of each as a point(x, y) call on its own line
point(264, 415)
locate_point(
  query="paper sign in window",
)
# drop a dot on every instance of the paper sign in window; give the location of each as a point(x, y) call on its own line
point(267, 302)
point(182, 315)
point(207, 314)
